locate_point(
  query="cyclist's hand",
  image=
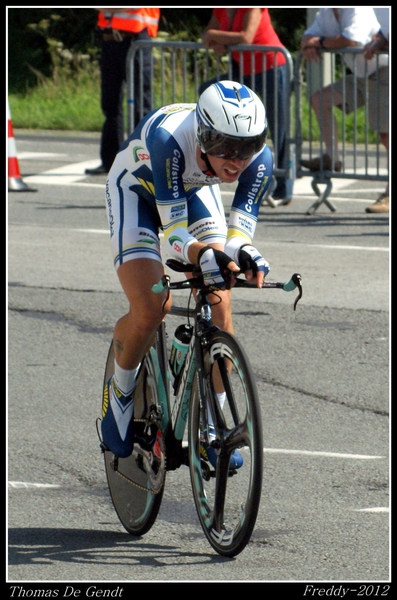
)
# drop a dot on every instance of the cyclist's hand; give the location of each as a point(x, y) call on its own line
point(216, 267)
point(253, 264)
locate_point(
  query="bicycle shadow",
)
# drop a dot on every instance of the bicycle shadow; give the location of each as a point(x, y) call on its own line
point(34, 546)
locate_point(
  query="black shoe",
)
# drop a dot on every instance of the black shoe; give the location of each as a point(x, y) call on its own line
point(97, 171)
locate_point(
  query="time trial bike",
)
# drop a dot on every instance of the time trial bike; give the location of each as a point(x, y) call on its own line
point(178, 418)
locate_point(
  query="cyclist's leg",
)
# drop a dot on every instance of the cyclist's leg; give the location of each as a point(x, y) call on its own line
point(207, 222)
point(135, 246)
point(133, 335)
point(134, 332)
point(136, 250)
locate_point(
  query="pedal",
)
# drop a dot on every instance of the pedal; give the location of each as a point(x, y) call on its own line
point(206, 471)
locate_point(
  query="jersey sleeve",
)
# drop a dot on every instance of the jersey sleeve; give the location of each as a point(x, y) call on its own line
point(250, 192)
point(168, 165)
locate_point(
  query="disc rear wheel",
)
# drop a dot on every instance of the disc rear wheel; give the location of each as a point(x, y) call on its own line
point(136, 483)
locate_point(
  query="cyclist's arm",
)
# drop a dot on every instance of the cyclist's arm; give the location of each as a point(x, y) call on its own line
point(250, 192)
point(249, 195)
point(168, 164)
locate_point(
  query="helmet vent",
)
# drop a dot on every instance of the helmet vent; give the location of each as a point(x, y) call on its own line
point(238, 96)
point(208, 116)
point(226, 115)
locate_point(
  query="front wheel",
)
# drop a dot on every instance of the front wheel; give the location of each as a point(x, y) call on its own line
point(227, 501)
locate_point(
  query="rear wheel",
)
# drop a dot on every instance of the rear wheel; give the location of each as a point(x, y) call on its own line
point(227, 501)
point(136, 483)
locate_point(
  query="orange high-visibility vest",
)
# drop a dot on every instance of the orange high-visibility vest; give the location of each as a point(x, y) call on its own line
point(133, 19)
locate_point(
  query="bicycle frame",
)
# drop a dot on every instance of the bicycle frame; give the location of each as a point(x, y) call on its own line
point(175, 407)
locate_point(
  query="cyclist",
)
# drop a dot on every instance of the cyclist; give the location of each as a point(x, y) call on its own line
point(166, 177)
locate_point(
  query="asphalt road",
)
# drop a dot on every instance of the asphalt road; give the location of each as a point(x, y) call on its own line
point(322, 374)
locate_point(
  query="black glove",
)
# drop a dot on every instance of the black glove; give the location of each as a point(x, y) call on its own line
point(214, 267)
point(250, 259)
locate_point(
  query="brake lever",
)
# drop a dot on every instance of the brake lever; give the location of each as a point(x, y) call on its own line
point(297, 279)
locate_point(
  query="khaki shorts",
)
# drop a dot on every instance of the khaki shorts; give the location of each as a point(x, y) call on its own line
point(378, 96)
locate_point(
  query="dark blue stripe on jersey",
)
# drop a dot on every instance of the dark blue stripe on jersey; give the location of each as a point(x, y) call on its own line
point(136, 134)
point(121, 211)
point(148, 215)
point(168, 165)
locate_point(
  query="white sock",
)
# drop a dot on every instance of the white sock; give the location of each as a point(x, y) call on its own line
point(221, 399)
point(125, 379)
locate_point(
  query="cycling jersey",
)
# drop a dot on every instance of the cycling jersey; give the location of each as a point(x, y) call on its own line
point(156, 183)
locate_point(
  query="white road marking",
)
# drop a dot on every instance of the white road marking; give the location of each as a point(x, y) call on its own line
point(65, 175)
point(34, 155)
point(318, 453)
point(92, 230)
point(376, 509)
point(333, 246)
point(23, 484)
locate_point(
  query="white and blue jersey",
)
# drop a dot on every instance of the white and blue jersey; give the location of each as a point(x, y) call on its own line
point(155, 184)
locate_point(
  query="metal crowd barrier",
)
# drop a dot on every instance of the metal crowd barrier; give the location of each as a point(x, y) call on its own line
point(361, 160)
point(177, 69)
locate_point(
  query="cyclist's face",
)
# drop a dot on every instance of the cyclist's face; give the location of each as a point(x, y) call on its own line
point(228, 169)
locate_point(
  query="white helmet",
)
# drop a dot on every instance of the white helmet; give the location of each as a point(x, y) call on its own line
point(231, 121)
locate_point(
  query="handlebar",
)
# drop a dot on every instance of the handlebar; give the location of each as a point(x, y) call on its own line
point(197, 281)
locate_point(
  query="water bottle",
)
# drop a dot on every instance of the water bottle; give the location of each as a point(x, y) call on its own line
point(180, 344)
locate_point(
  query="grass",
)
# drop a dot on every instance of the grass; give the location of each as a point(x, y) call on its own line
point(66, 104)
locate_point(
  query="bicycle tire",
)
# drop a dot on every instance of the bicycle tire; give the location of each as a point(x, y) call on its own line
point(136, 497)
point(227, 502)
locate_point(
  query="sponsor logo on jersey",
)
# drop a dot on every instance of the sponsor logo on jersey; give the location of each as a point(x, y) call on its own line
point(257, 188)
point(110, 213)
point(203, 228)
point(173, 168)
point(177, 243)
point(140, 153)
point(246, 224)
point(151, 239)
point(177, 211)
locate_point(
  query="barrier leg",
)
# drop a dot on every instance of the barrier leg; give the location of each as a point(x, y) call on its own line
point(268, 197)
point(322, 196)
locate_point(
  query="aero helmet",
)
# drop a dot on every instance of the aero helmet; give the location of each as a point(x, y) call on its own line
point(231, 121)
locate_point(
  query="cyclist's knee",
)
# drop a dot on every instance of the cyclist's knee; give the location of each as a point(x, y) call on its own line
point(147, 315)
point(222, 312)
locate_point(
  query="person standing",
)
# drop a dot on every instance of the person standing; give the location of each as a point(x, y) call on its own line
point(335, 28)
point(117, 29)
point(380, 41)
point(232, 26)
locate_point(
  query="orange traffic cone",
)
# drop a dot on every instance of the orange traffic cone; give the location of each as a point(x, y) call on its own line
point(15, 183)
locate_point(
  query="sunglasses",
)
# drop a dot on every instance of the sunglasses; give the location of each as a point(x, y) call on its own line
point(227, 147)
